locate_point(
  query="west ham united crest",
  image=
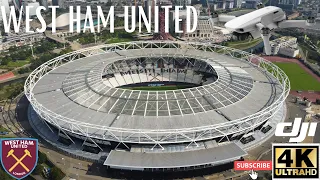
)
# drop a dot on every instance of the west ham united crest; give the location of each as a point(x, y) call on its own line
point(19, 156)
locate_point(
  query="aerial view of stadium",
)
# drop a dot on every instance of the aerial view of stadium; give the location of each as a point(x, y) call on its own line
point(168, 104)
point(89, 104)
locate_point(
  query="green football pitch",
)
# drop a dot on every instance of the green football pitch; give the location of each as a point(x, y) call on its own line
point(299, 78)
point(157, 88)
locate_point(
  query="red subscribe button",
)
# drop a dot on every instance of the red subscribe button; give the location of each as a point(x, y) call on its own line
point(252, 165)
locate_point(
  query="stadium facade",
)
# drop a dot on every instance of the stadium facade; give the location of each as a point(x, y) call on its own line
point(229, 101)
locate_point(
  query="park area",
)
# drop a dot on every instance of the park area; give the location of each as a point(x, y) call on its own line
point(300, 80)
point(243, 45)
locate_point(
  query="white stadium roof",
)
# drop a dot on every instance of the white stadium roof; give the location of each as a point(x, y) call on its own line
point(74, 95)
point(214, 156)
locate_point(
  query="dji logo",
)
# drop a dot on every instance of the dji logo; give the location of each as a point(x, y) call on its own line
point(296, 129)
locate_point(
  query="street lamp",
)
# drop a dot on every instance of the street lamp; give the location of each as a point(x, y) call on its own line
point(64, 42)
point(79, 168)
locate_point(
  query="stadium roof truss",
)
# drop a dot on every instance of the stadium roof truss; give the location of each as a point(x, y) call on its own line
point(157, 137)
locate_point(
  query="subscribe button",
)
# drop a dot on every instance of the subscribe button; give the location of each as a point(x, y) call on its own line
point(252, 165)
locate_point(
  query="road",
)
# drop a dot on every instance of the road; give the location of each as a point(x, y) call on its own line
point(316, 138)
point(264, 152)
point(15, 118)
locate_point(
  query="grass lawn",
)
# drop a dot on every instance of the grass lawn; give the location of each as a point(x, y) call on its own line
point(4, 94)
point(17, 63)
point(242, 45)
point(7, 136)
point(118, 40)
point(299, 78)
point(2, 129)
point(12, 64)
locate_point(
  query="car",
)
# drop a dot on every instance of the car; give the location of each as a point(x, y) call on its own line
point(4, 133)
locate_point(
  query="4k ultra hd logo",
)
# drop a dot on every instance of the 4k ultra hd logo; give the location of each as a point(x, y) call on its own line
point(295, 161)
point(296, 129)
point(19, 156)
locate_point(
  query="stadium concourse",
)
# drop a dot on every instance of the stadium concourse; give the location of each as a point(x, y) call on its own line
point(84, 104)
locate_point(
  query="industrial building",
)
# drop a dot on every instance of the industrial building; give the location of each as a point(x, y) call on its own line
point(286, 46)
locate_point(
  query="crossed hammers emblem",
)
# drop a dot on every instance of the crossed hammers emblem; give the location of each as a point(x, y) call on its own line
point(19, 161)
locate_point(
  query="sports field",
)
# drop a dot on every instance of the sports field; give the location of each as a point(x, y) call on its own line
point(299, 78)
point(158, 88)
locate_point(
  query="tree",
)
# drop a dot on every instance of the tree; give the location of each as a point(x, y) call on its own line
point(4, 175)
point(65, 51)
point(5, 61)
point(15, 89)
point(268, 176)
point(42, 157)
point(56, 174)
point(38, 170)
point(23, 70)
point(44, 58)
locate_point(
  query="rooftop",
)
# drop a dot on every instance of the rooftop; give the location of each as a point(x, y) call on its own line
point(283, 39)
point(76, 91)
point(214, 156)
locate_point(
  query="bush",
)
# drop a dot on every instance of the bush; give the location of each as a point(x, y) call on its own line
point(42, 158)
point(42, 59)
point(38, 170)
point(24, 70)
point(12, 90)
point(56, 174)
point(4, 175)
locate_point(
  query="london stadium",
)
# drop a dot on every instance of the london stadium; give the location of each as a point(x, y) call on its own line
point(157, 105)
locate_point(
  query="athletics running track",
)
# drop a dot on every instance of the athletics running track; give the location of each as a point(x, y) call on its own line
point(311, 95)
point(6, 76)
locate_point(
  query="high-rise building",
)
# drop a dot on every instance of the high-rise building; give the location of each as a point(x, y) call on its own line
point(4, 3)
point(17, 3)
point(284, 4)
point(251, 4)
point(238, 3)
point(297, 2)
point(147, 4)
point(286, 45)
point(55, 2)
point(33, 6)
point(44, 3)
